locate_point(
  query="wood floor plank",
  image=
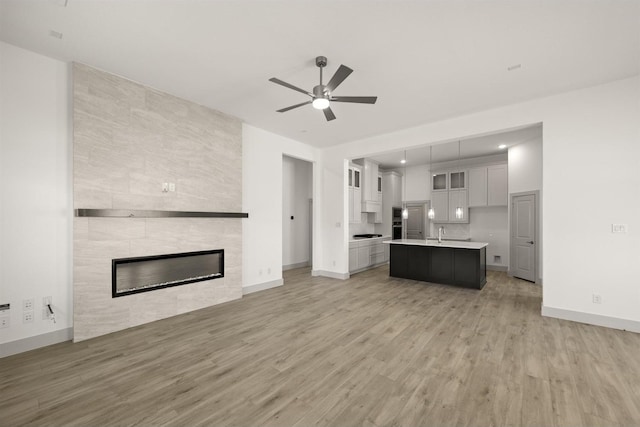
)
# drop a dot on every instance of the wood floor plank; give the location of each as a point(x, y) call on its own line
point(371, 350)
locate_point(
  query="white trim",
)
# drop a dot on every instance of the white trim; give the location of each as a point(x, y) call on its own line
point(297, 265)
point(592, 319)
point(497, 267)
point(262, 286)
point(331, 274)
point(38, 341)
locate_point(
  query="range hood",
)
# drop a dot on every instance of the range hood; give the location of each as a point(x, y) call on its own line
point(373, 207)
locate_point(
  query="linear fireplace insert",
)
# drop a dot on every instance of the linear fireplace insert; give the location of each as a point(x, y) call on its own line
point(148, 273)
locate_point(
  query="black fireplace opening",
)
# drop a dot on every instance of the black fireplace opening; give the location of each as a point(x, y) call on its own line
point(148, 273)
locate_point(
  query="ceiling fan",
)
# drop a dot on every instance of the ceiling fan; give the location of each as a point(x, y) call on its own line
point(322, 94)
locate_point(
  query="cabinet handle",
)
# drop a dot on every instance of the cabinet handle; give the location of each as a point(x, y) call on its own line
point(530, 241)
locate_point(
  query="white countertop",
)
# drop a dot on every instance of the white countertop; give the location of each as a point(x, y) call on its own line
point(444, 244)
point(366, 239)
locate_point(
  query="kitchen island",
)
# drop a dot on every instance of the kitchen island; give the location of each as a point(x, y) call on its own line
point(448, 262)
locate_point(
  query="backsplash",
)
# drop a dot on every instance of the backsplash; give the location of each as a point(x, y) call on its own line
point(361, 228)
point(457, 231)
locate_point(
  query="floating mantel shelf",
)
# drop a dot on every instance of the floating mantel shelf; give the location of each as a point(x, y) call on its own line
point(135, 213)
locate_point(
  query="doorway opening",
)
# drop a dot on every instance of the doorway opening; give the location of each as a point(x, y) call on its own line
point(297, 215)
point(417, 224)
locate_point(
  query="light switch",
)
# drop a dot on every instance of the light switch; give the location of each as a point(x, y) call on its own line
point(618, 228)
point(172, 186)
point(165, 187)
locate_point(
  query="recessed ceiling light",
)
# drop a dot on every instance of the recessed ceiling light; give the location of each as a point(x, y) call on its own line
point(403, 161)
point(502, 146)
point(55, 34)
point(514, 67)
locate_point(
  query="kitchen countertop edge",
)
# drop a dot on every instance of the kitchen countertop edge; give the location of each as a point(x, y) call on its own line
point(444, 244)
point(366, 239)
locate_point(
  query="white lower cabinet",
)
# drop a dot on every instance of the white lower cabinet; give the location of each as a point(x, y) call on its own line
point(353, 259)
point(364, 257)
point(367, 253)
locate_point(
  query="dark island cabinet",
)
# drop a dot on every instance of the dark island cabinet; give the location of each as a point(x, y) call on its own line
point(452, 266)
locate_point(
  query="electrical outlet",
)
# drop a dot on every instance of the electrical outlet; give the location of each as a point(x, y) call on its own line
point(27, 317)
point(46, 315)
point(28, 304)
point(5, 322)
point(597, 299)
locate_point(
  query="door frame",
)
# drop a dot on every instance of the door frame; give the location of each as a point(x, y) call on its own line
point(538, 252)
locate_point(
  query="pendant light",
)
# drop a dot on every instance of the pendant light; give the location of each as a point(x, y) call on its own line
point(431, 214)
point(405, 211)
point(459, 210)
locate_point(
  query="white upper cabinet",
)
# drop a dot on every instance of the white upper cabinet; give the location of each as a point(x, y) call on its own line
point(355, 194)
point(370, 181)
point(439, 181)
point(457, 180)
point(458, 198)
point(440, 205)
point(357, 177)
point(488, 186)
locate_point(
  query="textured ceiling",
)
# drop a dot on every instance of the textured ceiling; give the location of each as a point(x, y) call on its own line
point(425, 60)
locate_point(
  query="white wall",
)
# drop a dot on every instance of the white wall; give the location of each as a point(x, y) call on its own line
point(296, 192)
point(525, 166)
point(591, 157)
point(262, 232)
point(35, 192)
point(491, 225)
point(525, 174)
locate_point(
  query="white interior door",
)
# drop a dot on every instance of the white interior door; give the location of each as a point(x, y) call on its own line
point(523, 232)
point(415, 222)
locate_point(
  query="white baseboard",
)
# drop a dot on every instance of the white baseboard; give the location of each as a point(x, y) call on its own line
point(592, 319)
point(38, 341)
point(497, 267)
point(262, 286)
point(331, 274)
point(294, 266)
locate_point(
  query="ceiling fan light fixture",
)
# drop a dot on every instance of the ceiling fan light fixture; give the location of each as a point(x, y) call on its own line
point(320, 103)
point(322, 94)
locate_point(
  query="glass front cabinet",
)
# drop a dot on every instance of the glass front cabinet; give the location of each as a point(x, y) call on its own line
point(457, 180)
point(439, 181)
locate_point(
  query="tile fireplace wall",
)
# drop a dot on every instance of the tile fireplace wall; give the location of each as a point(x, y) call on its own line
point(128, 140)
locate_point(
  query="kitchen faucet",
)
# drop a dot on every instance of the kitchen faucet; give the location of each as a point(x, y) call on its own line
point(440, 233)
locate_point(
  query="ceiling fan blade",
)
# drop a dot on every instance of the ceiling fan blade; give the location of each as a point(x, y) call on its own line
point(342, 73)
point(290, 86)
point(282, 110)
point(358, 99)
point(329, 114)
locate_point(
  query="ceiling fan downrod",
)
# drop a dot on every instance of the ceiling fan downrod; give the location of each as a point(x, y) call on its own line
point(321, 62)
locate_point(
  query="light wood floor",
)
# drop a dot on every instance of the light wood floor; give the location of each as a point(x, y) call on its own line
point(371, 351)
